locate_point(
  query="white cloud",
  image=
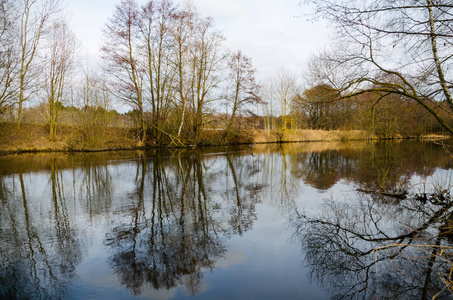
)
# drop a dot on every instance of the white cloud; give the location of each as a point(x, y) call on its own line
point(232, 258)
point(221, 10)
point(275, 34)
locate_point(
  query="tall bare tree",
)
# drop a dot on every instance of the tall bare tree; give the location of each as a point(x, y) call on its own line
point(8, 58)
point(402, 47)
point(197, 56)
point(165, 62)
point(35, 17)
point(244, 91)
point(59, 60)
point(94, 104)
point(284, 85)
point(183, 33)
point(268, 102)
point(122, 54)
point(206, 59)
point(155, 23)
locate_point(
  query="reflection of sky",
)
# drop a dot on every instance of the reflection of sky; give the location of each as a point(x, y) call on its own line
point(271, 268)
point(440, 180)
point(260, 262)
point(264, 262)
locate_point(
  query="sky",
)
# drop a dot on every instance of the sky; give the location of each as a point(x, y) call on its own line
point(275, 34)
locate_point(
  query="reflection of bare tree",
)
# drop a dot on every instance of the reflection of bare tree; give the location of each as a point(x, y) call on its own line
point(96, 186)
point(339, 247)
point(42, 251)
point(175, 223)
point(67, 247)
point(177, 239)
point(276, 178)
point(287, 184)
point(243, 212)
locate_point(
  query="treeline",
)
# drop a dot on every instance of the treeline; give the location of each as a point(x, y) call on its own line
point(382, 115)
point(318, 105)
point(171, 68)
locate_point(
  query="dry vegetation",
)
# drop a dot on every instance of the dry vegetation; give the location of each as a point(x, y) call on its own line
point(308, 135)
point(35, 138)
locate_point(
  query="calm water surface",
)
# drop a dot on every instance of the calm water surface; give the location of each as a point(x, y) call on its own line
point(286, 222)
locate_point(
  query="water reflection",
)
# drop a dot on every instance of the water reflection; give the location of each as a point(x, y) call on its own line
point(39, 250)
point(369, 165)
point(172, 243)
point(339, 246)
point(174, 227)
point(96, 186)
point(165, 219)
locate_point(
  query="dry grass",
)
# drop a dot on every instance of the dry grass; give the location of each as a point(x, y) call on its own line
point(311, 147)
point(436, 137)
point(309, 135)
point(111, 138)
point(27, 137)
point(35, 138)
point(263, 136)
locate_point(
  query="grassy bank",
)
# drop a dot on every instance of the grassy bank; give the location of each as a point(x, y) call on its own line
point(35, 138)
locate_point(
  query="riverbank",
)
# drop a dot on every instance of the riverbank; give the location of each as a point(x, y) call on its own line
point(35, 138)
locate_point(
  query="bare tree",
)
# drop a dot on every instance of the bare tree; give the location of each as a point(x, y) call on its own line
point(197, 59)
point(284, 85)
point(155, 23)
point(206, 59)
point(268, 102)
point(243, 91)
point(183, 39)
point(94, 105)
point(8, 58)
point(58, 62)
point(401, 47)
point(317, 104)
point(165, 63)
point(35, 18)
point(121, 52)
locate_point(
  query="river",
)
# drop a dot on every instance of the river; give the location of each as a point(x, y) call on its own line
point(294, 221)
